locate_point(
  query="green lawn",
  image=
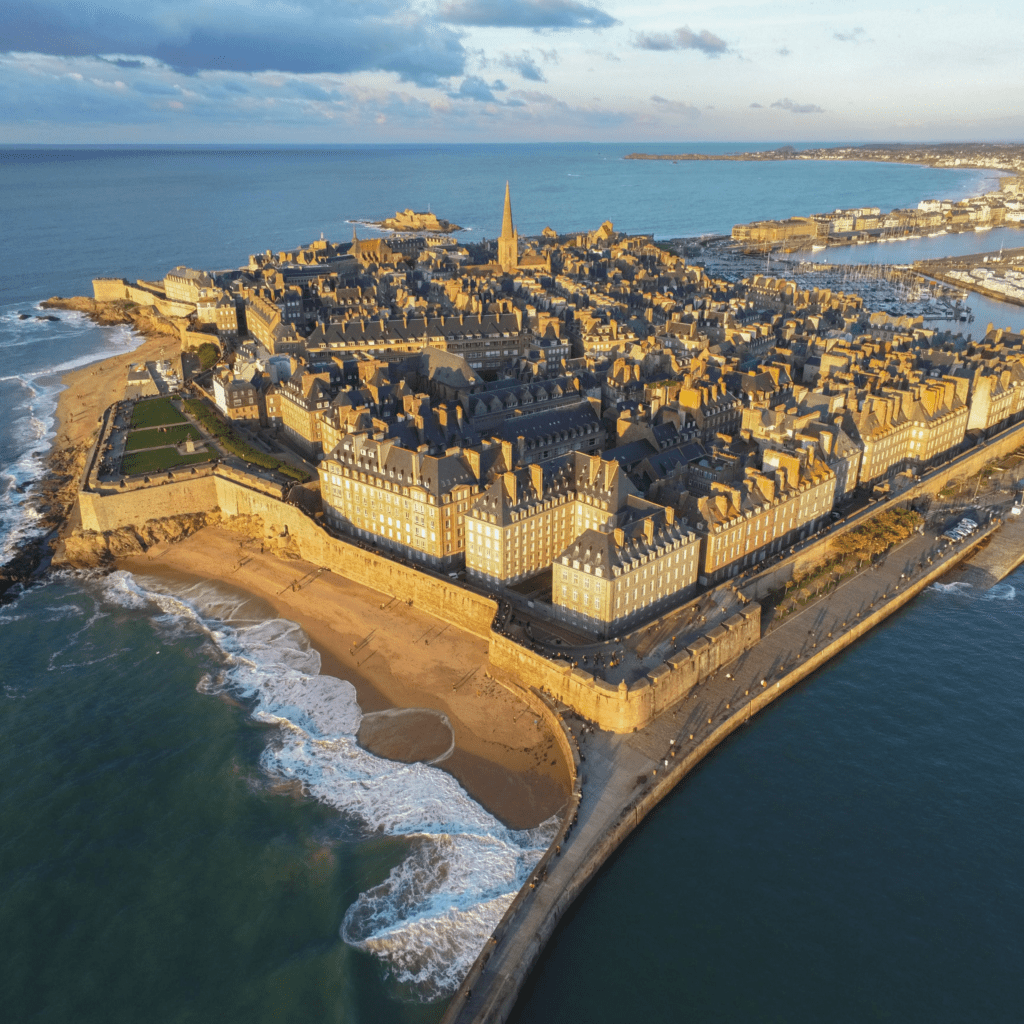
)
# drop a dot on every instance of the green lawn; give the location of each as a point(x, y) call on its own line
point(158, 460)
point(155, 412)
point(159, 438)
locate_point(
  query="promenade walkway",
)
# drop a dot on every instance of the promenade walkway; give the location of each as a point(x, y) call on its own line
point(624, 776)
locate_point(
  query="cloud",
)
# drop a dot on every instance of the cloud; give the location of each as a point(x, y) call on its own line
point(302, 36)
point(676, 107)
point(475, 88)
point(855, 35)
point(797, 108)
point(604, 55)
point(783, 51)
point(556, 14)
point(757, 106)
point(682, 39)
point(524, 65)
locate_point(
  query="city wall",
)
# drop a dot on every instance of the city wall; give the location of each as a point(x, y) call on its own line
point(118, 289)
point(618, 707)
point(499, 1002)
point(234, 493)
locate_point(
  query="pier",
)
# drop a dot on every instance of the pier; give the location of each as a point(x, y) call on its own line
point(623, 777)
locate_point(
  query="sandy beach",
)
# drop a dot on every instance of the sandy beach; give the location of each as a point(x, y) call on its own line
point(396, 657)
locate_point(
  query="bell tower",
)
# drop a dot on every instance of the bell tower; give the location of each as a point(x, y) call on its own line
point(508, 243)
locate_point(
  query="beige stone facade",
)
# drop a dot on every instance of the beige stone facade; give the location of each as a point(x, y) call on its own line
point(407, 501)
point(607, 580)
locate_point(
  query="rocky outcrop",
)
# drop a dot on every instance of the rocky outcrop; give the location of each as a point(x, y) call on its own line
point(82, 549)
point(86, 548)
point(144, 319)
point(52, 497)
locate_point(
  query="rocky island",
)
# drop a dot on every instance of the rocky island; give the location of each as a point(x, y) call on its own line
point(413, 222)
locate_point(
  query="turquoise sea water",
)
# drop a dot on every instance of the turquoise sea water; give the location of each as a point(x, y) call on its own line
point(857, 847)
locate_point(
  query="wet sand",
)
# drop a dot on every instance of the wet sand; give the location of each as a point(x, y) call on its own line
point(397, 657)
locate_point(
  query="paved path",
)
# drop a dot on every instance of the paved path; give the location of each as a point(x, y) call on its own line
point(617, 769)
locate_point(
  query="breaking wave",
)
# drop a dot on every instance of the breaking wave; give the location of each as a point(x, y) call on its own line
point(29, 399)
point(959, 587)
point(431, 916)
point(999, 592)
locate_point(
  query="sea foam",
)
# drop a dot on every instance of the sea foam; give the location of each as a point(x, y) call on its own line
point(30, 401)
point(431, 916)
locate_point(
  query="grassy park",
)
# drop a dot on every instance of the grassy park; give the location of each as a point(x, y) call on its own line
point(155, 412)
point(230, 441)
point(158, 460)
point(158, 437)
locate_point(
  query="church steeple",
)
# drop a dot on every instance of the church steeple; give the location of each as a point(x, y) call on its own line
point(508, 243)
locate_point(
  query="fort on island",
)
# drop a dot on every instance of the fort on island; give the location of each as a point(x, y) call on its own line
point(662, 498)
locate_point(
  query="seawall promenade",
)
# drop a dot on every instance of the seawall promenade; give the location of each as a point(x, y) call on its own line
point(623, 777)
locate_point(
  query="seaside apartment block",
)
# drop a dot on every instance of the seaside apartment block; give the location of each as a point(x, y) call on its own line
point(613, 555)
point(527, 518)
point(608, 580)
point(768, 510)
point(409, 502)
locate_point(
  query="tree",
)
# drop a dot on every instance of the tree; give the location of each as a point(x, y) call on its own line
point(208, 355)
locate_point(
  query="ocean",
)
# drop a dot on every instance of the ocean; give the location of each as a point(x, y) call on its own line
point(186, 837)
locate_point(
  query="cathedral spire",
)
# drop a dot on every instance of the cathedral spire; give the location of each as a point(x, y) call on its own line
point(508, 243)
point(506, 220)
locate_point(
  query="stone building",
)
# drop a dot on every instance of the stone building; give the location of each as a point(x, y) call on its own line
point(301, 401)
point(609, 579)
point(766, 511)
point(237, 398)
point(508, 243)
point(186, 285)
point(409, 502)
point(526, 518)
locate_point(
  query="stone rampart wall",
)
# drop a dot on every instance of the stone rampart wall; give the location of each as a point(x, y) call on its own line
point(117, 289)
point(506, 988)
point(104, 512)
point(311, 542)
point(618, 707)
point(234, 493)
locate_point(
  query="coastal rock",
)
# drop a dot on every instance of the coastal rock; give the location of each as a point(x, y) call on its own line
point(86, 548)
point(144, 319)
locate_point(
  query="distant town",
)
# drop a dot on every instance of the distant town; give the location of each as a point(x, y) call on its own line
point(994, 155)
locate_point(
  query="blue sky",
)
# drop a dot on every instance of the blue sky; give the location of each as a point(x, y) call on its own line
point(508, 70)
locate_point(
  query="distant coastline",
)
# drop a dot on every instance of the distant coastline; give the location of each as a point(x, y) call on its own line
point(989, 156)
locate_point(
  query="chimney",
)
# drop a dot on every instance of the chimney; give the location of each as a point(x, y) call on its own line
point(510, 487)
point(649, 529)
point(620, 536)
point(506, 453)
point(670, 515)
point(537, 478)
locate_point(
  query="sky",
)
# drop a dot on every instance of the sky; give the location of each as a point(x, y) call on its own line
point(337, 71)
